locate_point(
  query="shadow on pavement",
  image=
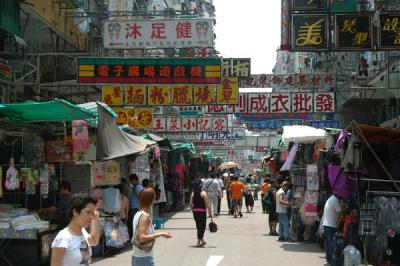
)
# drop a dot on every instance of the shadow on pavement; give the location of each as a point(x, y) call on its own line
point(194, 246)
point(301, 247)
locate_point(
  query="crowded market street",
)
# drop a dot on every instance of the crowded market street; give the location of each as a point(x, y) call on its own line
point(238, 242)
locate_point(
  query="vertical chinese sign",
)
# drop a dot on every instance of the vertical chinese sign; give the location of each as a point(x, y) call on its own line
point(158, 95)
point(310, 32)
point(112, 95)
point(181, 95)
point(353, 32)
point(228, 91)
point(136, 95)
point(204, 94)
point(389, 31)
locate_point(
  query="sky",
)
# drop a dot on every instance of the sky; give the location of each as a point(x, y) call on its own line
point(249, 29)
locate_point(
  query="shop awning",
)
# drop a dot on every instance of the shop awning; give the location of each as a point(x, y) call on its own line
point(303, 134)
point(378, 135)
point(162, 142)
point(189, 146)
point(53, 111)
point(112, 142)
point(93, 108)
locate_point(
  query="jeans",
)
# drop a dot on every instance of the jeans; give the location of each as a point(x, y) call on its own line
point(283, 226)
point(143, 261)
point(329, 233)
point(201, 222)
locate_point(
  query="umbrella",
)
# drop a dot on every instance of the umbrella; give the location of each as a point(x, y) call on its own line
point(227, 165)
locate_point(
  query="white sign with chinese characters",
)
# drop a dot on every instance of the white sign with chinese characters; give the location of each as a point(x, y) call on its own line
point(278, 103)
point(158, 33)
point(191, 124)
point(297, 80)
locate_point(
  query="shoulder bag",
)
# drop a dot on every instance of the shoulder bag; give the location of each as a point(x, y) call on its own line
point(146, 246)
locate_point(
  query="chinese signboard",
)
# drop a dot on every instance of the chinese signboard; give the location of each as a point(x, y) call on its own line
point(280, 123)
point(289, 81)
point(190, 124)
point(204, 94)
point(172, 33)
point(112, 95)
point(310, 32)
point(181, 95)
point(309, 5)
point(136, 118)
point(279, 103)
point(228, 91)
point(158, 95)
point(5, 73)
point(390, 31)
point(135, 95)
point(230, 134)
point(150, 71)
point(236, 67)
point(353, 32)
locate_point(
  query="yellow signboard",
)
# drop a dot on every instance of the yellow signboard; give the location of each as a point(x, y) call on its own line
point(228, 91)
point(204, 94)
point(135, 95)
point(112, 95)
point(135, 117)
point(158, 95)
point(181, 95)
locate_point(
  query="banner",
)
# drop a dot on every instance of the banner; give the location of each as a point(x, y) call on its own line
point(190, 124)
point(310, 32)
point(236, 67)
point(353, 31)
point(231, 134)
point(321, 80)
point(280, 123)
point(149, 70)
point(158, 33)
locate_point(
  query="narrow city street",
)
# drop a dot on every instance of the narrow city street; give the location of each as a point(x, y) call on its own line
point(241, 241)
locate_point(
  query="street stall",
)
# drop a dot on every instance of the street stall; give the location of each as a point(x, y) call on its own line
point(37, 140)
point(300, 167)
point(364, 169)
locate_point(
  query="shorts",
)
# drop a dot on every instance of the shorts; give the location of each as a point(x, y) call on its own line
point(143, 261)
point(236, 202)
point(273, 217)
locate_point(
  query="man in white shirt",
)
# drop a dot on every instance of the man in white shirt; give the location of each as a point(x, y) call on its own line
point(330, 222)
point(212, 188)
point(281, 209)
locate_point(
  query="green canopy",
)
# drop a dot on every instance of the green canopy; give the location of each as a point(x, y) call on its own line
point(189, 146)
point(162, 142)
point(53, 111)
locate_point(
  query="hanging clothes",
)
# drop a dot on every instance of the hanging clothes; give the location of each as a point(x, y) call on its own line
point(290, 159)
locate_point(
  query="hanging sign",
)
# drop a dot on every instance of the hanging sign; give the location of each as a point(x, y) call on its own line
point(228, 91)
point(190, 124)
point(236, 67)
point(135, 117)
point(314, 5)
point(5, 73)
point(321, 80)
point(158, 95)
point(204, 94)
point(158, 33)
point(136, 95)
point(310, 32)
point(181, 95)
point(112, 95)
point(353, 32)
point(389, 37)
point(150, 70)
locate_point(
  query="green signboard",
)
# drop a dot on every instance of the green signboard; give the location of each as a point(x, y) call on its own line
point(150, 70)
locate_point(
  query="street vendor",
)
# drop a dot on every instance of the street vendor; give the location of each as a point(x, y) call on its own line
point(60, 210)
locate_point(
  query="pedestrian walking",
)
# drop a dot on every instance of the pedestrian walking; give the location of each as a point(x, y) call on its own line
point(248, 195)
point(199, 205)
point(211, 187)
point(143, 231)
point(281, 210)
point(236, 189)
point(264, 190)
point(330, 222)
point(71, 246)
point(133, 200)
point(220, 194)
point(269, 201)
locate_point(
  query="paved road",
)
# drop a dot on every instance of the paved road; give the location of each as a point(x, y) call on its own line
point(241, 241)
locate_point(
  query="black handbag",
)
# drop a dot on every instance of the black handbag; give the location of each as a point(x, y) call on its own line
point(212, 226)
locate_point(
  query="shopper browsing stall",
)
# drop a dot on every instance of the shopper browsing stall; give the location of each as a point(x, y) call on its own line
point(72, 244)
point(330, 222)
